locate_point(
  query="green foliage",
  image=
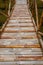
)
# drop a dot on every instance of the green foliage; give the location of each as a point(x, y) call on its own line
point(4, 8)
point(2, 19)
point(4, 4)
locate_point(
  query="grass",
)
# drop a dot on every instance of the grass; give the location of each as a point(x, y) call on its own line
point(4, 8)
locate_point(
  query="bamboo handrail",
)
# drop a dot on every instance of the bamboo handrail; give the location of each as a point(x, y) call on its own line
point(40, 33)
point(37, 21)
point(36, 11)
point(9, 7)
point(1, 30)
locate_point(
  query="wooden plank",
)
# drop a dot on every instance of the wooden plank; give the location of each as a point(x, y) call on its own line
point(20, 21)
point(10, 58)
point(21, 51)
point(19, 35)
point(20, 46)
point(11, 30)
point(22, 63)
point(16, 24)
point(17, 41)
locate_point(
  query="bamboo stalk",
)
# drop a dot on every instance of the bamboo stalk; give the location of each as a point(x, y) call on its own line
point(9, 7)
point(40, 33)
point(36, 10)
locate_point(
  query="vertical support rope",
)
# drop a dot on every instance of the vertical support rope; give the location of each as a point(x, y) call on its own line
point(36, 10)
point(9, 7)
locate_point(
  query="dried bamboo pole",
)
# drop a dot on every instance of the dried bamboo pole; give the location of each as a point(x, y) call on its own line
point(9, 7)
point(40, 33)
point(36, 10)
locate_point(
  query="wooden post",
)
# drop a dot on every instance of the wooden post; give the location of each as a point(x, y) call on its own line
point(36, 10)
point(9, 7)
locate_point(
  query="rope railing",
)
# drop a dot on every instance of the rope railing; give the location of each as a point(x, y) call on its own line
point(10, 5)
point(8, 16)
point(34, 4)
point(9, 8)
point(37, 23)
point(36, 11)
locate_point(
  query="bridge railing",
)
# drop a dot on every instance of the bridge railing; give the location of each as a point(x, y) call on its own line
point(9, 11)
point(35, 12)
point(34, 9)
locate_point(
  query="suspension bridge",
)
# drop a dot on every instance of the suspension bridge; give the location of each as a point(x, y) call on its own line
point(19, 42)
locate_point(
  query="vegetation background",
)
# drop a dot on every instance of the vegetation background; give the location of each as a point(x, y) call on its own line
point(4, 4)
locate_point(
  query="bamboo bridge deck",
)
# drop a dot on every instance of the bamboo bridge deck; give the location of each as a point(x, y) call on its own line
point(19, 43)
